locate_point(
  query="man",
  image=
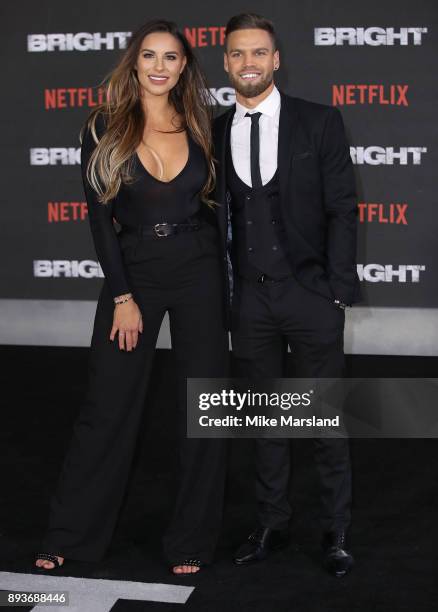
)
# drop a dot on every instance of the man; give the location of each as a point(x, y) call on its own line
point(285, 180)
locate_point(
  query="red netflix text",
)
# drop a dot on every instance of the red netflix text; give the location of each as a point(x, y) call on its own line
point(71, 97)
point(383, 213)
point(211, 36)
point(66, 211)
point(395, 95)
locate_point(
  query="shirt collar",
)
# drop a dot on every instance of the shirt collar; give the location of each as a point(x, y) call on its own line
point(268, 106)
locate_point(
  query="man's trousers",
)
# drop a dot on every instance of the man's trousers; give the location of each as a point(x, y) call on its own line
point(265, 318)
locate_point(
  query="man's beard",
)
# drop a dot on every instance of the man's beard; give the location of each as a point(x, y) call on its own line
point(251, 90)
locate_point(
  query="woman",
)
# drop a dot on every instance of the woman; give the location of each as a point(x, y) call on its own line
point(147, 162)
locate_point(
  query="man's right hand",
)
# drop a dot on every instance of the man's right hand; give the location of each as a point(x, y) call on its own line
point(128, 323)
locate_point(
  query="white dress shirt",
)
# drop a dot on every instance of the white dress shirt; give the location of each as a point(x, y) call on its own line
point(268, 131)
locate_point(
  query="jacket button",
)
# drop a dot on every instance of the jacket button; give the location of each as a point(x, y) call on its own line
point(249, 222)
point(248, 197)
point(250, 249)
point(275, 247)
point(273, 222)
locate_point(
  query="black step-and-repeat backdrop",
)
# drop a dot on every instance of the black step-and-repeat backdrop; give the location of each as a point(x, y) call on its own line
point(375, 61)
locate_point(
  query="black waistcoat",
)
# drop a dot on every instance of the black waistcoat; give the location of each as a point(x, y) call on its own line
point(259, 243)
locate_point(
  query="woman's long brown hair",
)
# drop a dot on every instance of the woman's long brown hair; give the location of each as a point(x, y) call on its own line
point(110, 164)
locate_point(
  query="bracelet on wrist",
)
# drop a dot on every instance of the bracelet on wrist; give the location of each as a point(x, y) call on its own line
point(121, 299)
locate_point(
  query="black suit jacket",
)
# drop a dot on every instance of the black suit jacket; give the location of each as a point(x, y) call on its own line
point(317, 195)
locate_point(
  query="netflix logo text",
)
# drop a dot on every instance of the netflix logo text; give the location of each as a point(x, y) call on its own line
point(210, 36)
point(66, 211)
point(394, 95)
point(383, 213)
point(73, 97)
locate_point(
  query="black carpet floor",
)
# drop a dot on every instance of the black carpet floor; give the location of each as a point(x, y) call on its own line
point(394, 536)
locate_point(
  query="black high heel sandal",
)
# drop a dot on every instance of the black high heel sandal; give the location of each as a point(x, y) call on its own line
point(48, 557)
point(192, 562)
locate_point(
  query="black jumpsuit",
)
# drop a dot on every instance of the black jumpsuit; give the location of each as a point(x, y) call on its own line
point(182, 275)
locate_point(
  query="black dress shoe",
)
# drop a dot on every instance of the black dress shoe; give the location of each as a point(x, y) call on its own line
point(336, 559)
point(261, 541)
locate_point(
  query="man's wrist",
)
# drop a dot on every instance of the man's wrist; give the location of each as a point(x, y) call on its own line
point(341, 304)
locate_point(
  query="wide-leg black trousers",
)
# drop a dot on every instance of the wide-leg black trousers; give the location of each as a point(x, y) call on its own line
point(265, 319)
point(182, 275)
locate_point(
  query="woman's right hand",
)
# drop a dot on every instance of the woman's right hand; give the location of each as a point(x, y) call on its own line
point(128, 323)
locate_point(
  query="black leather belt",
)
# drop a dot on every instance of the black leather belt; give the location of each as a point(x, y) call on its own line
point(163, 230)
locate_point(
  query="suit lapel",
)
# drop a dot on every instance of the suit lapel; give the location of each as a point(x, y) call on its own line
point(286, 138)
point(222, 142)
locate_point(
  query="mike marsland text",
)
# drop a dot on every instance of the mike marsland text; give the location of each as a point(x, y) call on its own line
point(263, 421)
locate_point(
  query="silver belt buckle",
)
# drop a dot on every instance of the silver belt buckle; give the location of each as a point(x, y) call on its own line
point(158, 231)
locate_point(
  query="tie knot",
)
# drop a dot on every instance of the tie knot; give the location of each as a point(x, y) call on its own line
point(254, 117)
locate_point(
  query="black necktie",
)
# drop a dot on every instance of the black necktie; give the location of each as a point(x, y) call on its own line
point(256, 178)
